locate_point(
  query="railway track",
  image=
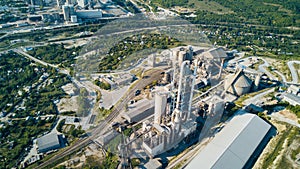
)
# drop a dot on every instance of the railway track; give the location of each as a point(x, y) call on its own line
point(102, 127)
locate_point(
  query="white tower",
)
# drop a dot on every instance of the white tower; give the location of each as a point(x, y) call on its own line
point(160, 106)
point(82, 3)
point(185, 90)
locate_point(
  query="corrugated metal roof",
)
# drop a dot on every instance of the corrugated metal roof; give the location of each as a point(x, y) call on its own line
point(48, 141)
point(292, 97)
point(233, 146)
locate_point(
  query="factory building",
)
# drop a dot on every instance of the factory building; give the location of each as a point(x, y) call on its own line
point(215, 53)
point(74, 19)
point(48, 142)
point(51, 17)
point(123, 79)
point(291, 98)
point(82, 3)
point(172, 117)
point(294, 90)
point(107, 137)
point(68, 11)
point(163, 137)
point(247, 131)
point(139, 111)
point(89, 14)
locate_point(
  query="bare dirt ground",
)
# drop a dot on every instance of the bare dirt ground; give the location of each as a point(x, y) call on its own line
point(288, 115)
point(68, 104)
point(287, 152)
point(78, 160)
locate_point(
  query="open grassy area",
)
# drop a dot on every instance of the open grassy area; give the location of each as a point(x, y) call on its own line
point(282, 148)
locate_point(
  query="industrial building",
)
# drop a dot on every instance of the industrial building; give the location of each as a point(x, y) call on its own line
point(107, 137)
point(68, 11)
point(139, 111)
point(237, 145)
point(291, 98)
point(173, 120)
point(294, 90)
point(215, 53)
point(124, 79)
point(153, 164)
point(82, 3)
point(89, 14)
point(48, 142)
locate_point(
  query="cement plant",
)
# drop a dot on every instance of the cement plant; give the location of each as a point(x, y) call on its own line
point(138, 84)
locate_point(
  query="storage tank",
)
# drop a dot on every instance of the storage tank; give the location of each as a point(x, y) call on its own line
point(238, 84)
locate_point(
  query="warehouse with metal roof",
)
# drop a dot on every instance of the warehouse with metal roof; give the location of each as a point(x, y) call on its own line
point(139, 111)
point(48, 142)
point(237, 145)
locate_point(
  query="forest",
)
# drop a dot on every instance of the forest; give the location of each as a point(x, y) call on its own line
point(25, 97)
point(132, 45)
point(56, 54)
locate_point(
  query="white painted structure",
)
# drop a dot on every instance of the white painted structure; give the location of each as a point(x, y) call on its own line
point(234, 145)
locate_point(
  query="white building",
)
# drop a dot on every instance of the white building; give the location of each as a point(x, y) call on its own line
point(73, 18)
point(48, 142)
point(294, 90)
point(291, 98)
point(139, 111)
point(236, 146)
point(82, 3)
point(123, 79)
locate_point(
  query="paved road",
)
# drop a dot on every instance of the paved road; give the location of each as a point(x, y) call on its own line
point(34, 59)
point(256, 99)
point(280, 117)
point(262, 68)
point(281, 75)
point(293, 70)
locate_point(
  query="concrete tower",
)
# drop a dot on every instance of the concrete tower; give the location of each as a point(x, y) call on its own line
point(177, 121)
point(68, 11)
point(160, 106)
point(185, 90)
point(190, 53)
point(82, 3)
point(216, 106)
